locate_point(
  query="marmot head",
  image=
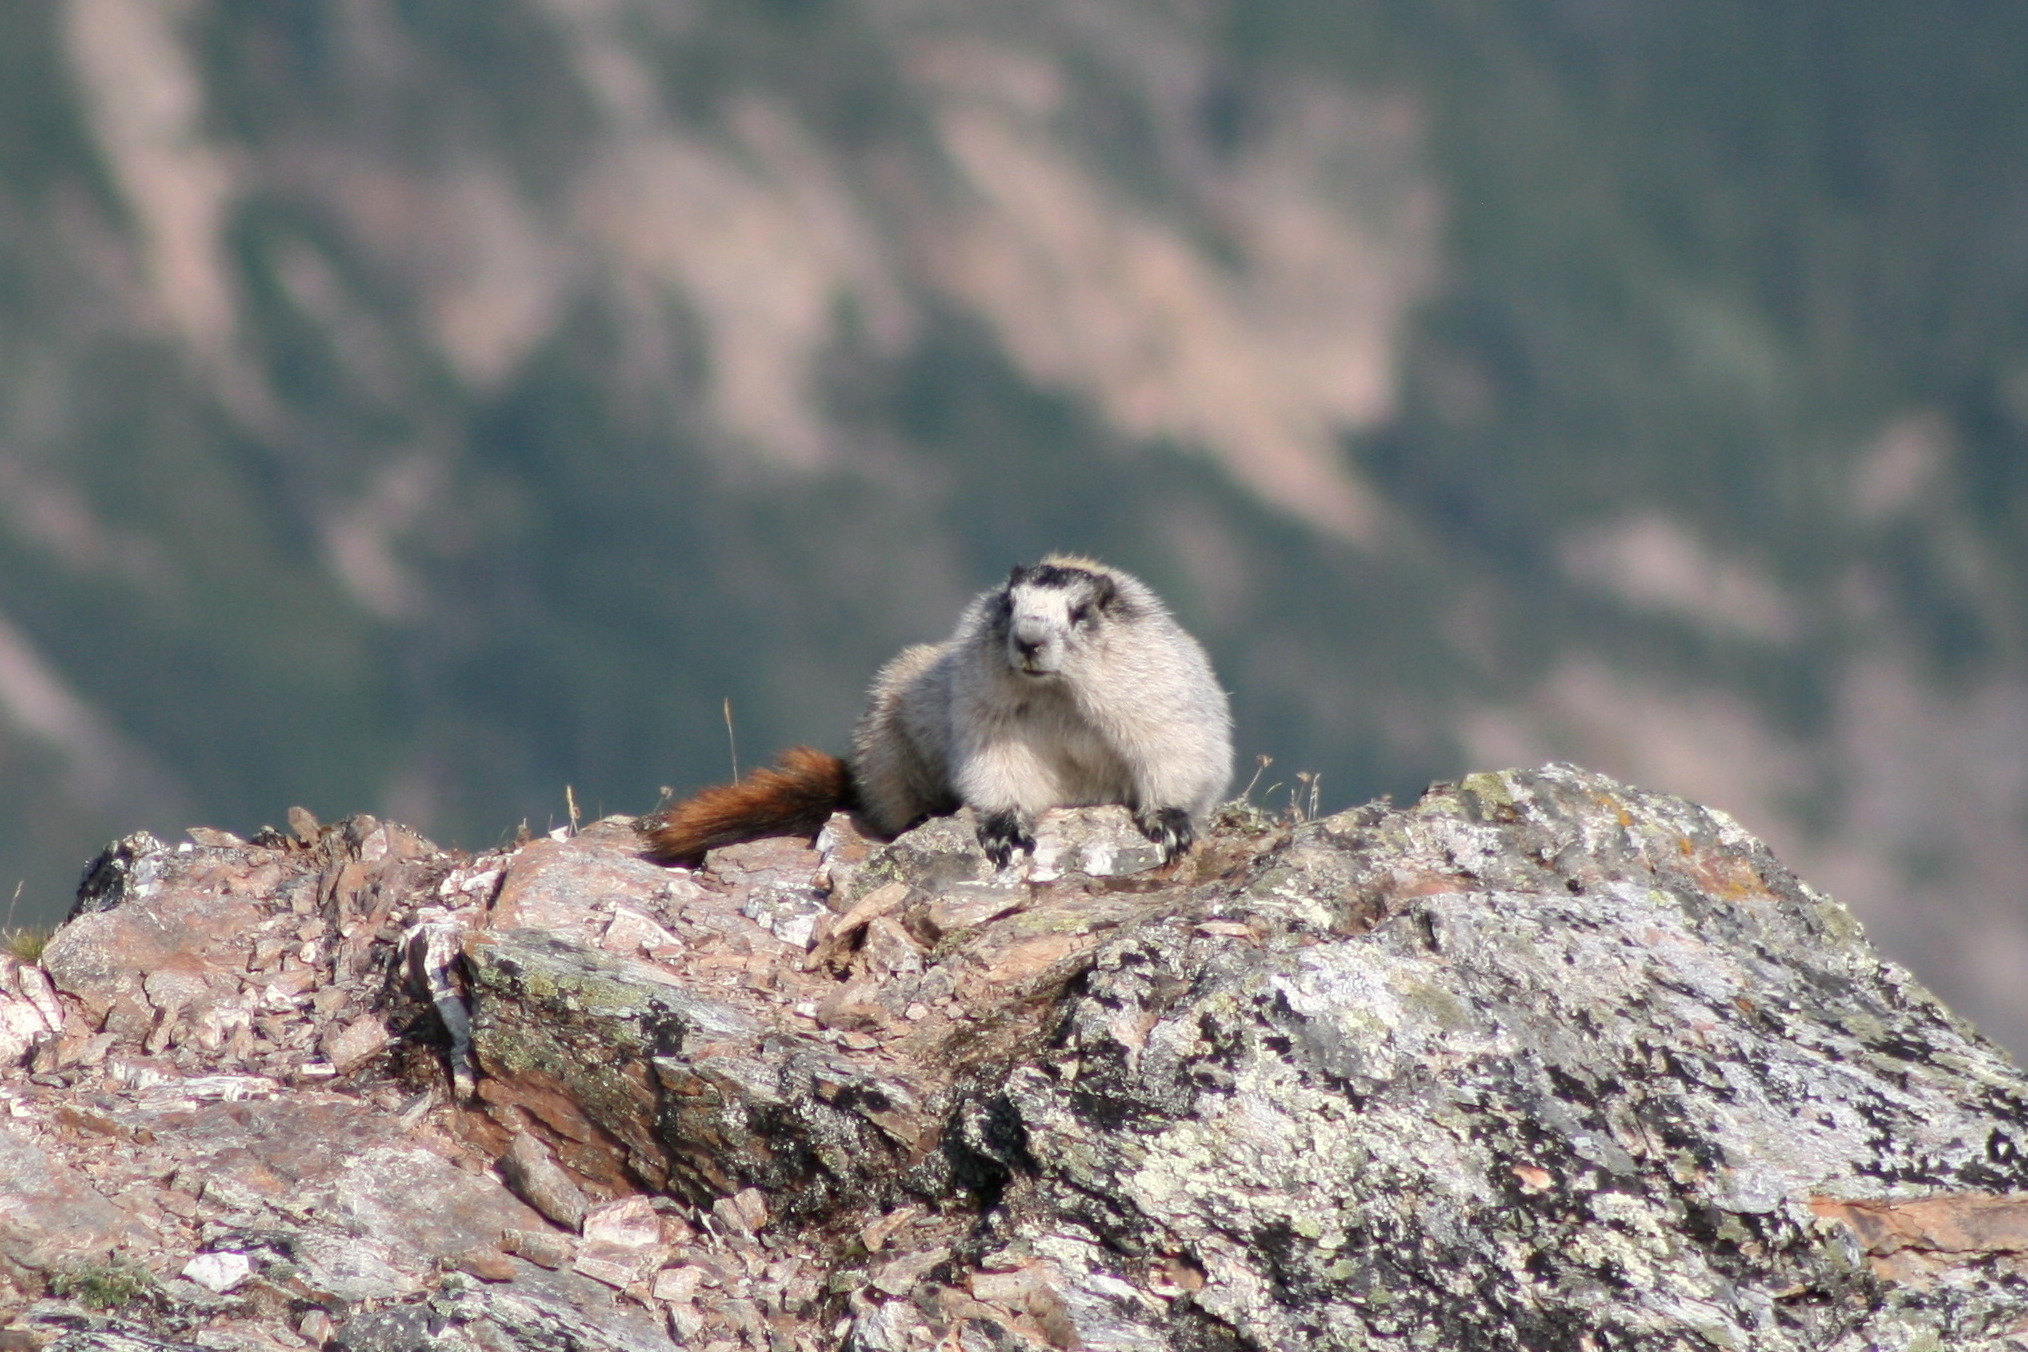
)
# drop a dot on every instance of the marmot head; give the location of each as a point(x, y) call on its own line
point(1050, 617)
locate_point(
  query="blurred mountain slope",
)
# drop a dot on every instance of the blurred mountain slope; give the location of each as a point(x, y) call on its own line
point(423, 407)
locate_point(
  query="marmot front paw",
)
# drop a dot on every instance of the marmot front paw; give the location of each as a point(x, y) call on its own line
point(1001, 834)
point(1169, 828)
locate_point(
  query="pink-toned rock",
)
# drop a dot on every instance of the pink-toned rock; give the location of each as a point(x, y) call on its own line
point(51, 1215)
point(188, 922)
point(570, 886)
point(356, 1043)
point(677, 1283)
point(628, 1222)
point(631, 932)
point(536, 1178)
point(177, 1125)
point(332, 1155)
point(29, 1013)
point(614, 1264)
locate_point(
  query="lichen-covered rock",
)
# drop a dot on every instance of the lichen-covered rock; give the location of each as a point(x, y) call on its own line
point(1539, 1062)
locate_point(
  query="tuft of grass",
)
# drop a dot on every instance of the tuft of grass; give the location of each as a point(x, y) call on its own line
point(1303, 801)
point(103, 1284)
point(1242, 814)
point(25, 942)
point(1238, 817)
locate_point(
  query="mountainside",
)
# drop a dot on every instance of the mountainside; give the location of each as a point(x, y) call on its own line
point(427, 407)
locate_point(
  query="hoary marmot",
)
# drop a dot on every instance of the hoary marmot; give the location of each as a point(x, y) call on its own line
point(1070, 684)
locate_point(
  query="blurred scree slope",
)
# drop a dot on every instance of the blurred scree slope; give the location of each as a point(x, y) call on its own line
point(419, 407)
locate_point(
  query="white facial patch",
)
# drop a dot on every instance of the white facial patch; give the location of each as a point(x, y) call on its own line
point(1040, 630)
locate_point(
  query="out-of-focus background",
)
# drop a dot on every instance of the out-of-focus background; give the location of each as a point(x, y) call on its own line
point(419, 406)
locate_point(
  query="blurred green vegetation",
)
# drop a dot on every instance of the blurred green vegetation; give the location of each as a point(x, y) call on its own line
point(1693, 259)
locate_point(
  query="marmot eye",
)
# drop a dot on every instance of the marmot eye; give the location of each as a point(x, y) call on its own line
point(1079, 614)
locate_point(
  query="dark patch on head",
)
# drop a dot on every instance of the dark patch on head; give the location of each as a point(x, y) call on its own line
point(1052, 575)
point(1105, 592)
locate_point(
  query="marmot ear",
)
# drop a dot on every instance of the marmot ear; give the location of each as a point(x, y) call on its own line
point(1104, 592)
point(1019, 575)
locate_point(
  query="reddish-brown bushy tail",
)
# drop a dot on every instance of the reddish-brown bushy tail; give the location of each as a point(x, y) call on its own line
point(794, 796)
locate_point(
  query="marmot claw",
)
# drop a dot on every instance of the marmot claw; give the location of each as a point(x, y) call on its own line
point(1169, 828)
point(1001, 834)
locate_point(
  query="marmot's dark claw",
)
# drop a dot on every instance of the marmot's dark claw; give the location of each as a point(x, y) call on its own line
point(1001, 834)
point(1169, 828)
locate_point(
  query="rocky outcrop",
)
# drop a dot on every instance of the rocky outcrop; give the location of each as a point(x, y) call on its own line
point(1539, 1062)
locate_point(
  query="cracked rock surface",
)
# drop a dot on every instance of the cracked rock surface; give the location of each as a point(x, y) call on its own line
point(1539, 1062)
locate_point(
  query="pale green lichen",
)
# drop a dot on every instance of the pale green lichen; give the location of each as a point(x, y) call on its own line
point(1583, 1080)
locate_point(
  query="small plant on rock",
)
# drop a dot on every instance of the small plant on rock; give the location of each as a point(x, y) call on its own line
point(25, 942)
point(103, 1284)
